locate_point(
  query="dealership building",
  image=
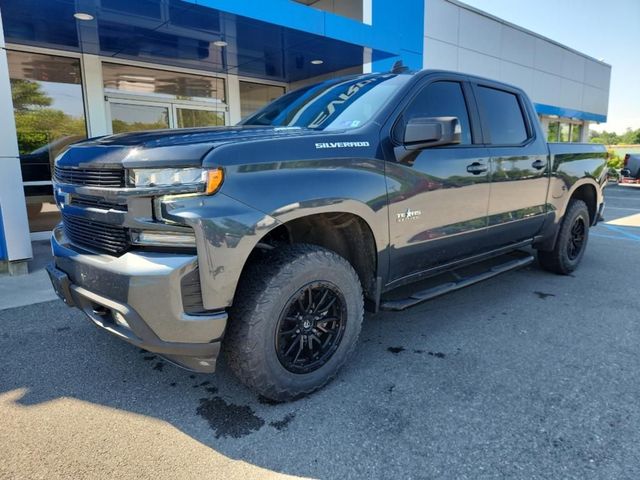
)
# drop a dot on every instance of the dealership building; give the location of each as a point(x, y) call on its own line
point(71, 69)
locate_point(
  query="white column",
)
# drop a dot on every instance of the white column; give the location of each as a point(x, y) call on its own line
point(233, 99)
point(544, 124)
point(584, 138)
point(95, 106)
point(367, 17)
point(12, 203)
point(367, 12)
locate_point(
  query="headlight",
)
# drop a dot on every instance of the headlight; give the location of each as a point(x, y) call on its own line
point(208, 180)
point(163, 238)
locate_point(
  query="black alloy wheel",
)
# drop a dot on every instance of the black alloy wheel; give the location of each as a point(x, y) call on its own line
point(576, 238)
point(310, 327)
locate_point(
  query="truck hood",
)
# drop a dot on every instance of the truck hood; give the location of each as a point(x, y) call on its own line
point(181, 147)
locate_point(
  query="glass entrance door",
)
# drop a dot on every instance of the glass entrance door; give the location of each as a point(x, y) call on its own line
point(136, 115)
point(189, 117)
point(130, 116)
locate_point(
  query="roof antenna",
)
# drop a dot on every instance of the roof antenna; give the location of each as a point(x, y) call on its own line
point(398, 67)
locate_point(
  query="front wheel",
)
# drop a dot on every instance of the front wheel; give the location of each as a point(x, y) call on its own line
point(571, 242)
point(295, 320)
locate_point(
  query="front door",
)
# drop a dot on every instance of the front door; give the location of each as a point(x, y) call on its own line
point(438, 197)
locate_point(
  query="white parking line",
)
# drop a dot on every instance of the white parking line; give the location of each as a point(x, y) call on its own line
point(607, 197)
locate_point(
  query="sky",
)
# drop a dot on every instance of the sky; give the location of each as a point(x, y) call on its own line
point(606, 30)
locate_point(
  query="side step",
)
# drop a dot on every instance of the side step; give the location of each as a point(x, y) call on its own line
point(459, 282)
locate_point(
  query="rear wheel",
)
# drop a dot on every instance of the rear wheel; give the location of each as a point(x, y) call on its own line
point(295, 320)
point(571, 242)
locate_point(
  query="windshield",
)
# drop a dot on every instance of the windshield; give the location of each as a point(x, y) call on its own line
point(333, 105)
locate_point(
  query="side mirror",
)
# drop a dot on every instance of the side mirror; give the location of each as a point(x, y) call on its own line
point(423, 132)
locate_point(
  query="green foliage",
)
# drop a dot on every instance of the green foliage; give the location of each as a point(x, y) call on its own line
point(36, 124)
point(630, 137)
point(614, 160)
point(27, 95)
point(120, 126)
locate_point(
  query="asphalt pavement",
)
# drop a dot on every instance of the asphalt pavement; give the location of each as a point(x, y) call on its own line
point(527, 375)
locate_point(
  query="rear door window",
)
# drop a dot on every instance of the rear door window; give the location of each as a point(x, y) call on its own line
point(503, 116)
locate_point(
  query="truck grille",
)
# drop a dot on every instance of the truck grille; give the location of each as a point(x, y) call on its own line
point(95, 202)
point(90, 176)
point(96, 235)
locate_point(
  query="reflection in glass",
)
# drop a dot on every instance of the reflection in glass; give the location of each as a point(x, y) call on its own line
point(564, 132)
point(254, 96)
point(553, 132)
point(162, 84)
point(192, 117)
point(49, 114)
point(127, 117)
point(576, 133)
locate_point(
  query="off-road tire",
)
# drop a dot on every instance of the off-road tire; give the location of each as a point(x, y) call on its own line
point(263, 293)
point(558, 259)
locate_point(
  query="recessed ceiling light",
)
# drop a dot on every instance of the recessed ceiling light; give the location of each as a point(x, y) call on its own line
point(317, 62)
point(220, 43)
point(82, 16)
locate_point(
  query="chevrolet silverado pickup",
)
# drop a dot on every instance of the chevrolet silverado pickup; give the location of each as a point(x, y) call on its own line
point(265, 241)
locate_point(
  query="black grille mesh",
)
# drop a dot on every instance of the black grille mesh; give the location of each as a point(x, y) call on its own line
point(94, 202)
point(96, 235)
point(90, 176)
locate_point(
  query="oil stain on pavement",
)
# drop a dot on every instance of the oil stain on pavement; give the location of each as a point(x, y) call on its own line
point(227, 419)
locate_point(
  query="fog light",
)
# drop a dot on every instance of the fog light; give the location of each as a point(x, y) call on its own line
point(160, 238)
point(120, 320)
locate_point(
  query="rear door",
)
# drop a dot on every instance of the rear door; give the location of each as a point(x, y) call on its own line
point(438, 196)
point(519, 164)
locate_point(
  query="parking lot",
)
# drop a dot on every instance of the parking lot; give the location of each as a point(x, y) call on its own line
point(527, 375)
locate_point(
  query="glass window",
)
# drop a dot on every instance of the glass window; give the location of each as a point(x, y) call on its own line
point(254, 96)
point(336, 104)
point(442, 99)
point(503, 115)
point(162, 84)
point(193, 117)
point(576, 133)
point(564, 132)
point(131, 117)
point(553, 133)
point(49, 113)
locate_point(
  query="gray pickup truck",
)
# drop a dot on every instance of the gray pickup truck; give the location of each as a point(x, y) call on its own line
point(267, 240)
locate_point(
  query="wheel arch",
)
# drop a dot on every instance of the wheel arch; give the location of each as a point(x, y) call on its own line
point(587, 191)
point(343, 232)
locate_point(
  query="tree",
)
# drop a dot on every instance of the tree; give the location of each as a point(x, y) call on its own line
point(28, 95)
point(38, 125)
point(604, 137)
point(631, 137)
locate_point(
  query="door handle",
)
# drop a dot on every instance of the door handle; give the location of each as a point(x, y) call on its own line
point(477, 168)
point(538, 164)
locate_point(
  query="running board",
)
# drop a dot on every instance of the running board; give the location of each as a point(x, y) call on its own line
point(460, 282)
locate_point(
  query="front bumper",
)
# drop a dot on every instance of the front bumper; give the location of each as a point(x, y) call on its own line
point(137, 297)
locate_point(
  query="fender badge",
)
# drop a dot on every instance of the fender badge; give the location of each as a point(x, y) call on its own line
point(408, 215)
